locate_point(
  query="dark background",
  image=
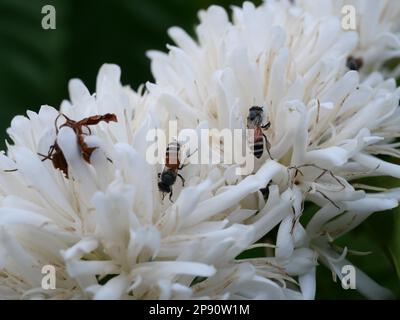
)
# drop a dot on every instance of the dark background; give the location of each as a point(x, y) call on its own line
point(36, 64)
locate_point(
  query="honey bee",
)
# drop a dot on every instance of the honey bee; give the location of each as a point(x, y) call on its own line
point(354, 63)
point(254, 121)
point(55, 153)
point(170, 172)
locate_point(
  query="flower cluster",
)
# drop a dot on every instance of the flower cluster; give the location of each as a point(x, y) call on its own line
point(377, 25)
point(105, 226)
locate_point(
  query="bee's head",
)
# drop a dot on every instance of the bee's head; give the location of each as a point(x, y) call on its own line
point(168, 178)
point(256, 114)
point(164, 187)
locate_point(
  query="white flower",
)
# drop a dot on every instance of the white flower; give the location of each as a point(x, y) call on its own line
point(325, 121)
point(107, 229)
point(377, 25)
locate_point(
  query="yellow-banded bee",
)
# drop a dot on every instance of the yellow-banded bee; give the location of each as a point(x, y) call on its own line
point(170, 172)
point(254, 122)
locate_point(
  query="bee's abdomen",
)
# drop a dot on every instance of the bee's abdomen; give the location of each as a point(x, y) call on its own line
point(258, 147)
point(172, 156)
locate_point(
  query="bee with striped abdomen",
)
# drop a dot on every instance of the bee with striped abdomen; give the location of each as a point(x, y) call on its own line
point(254, 122)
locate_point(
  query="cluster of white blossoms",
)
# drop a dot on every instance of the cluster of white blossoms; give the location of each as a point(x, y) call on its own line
point(377, 26)
point(107, 229)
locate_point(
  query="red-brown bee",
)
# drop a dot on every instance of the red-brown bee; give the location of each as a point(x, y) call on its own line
point(56, 155)
point(254, 121)
point(170, 172)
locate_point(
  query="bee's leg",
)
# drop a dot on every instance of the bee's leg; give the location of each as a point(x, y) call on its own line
point(293, 219)
point(51, 149)
point(327, 198)
point(68, 123)
point(182, 166)
point(267, 146)
point(55, 122)
point(297, 172)
point(266, 126)
point(325, 171)
point(183, 180)
point(49, 153)
point(89, 130)
point(170, 196)
point(44, 157)
point(187, 157)
point(192, 153)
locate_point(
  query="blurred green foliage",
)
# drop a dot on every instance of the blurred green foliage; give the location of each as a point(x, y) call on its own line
point(36, 64)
